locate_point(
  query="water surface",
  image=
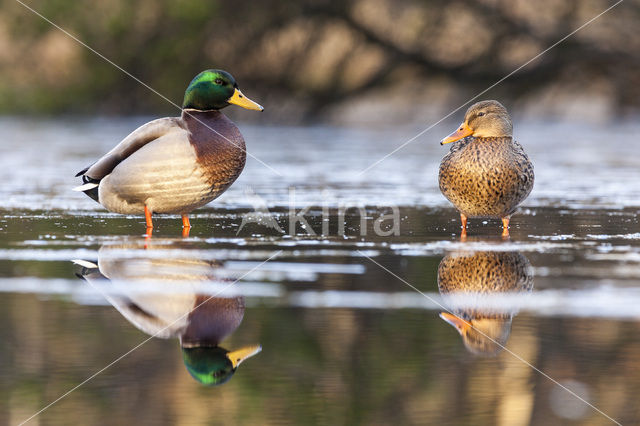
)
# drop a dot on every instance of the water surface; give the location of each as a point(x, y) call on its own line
point(348, 322)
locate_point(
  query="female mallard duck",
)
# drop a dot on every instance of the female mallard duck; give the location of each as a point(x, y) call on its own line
point(467, 281)
point(486, 174)
point(175, 164)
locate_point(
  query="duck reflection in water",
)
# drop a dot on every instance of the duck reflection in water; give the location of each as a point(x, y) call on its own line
point(468, 280)
point(173, 308)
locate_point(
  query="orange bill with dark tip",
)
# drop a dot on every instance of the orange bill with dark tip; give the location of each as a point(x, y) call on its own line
point(462, 132)
point(460, 324)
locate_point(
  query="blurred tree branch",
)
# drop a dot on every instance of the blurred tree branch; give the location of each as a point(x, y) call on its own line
point(469, 43)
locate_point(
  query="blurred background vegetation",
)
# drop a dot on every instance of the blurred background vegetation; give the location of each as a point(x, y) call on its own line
point(341, 61)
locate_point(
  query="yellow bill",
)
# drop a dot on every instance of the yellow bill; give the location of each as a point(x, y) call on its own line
point(242, 101)
point(462, 132)
point(236, 357)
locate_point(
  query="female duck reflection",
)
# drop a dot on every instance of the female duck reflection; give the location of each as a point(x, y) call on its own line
point(467, 281)
point(173, 308)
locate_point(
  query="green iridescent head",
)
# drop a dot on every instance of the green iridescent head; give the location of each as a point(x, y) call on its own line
point(215, 89)
point(213, 365)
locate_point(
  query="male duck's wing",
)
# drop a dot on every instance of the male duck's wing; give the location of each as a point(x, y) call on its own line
point(90, 271)
point(137, 139)
point(160, 315)
point(156, 314)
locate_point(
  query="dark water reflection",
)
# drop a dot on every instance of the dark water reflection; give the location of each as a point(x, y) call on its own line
point(466, 279)
point(174, 310)
point(343, 341)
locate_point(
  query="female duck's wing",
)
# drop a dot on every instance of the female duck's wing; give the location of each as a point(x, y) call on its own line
point(137, 139)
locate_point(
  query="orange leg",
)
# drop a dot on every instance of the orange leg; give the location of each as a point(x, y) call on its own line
point(463, 234)
point(505, 227)
point(186, 226)
point(147, 216)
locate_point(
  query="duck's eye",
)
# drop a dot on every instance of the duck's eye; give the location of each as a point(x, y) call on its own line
point(480, 114)
point(219, 81)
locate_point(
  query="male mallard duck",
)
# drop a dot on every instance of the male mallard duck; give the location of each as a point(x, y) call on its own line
point(486, 174)
point(467, 280)
point(175, 309)
point(175, 164)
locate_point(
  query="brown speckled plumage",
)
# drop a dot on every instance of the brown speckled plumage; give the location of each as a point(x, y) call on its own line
point(486, 177)
point(485, 272)
point(486, 173)
point(476, 276)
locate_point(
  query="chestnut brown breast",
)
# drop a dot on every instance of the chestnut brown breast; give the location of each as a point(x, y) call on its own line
point(219, 146)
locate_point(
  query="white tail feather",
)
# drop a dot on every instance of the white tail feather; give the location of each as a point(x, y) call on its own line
point(84, 263)
point(85, 187)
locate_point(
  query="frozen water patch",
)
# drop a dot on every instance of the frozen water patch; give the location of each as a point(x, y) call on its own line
point(84, 290)
point(363, 300)
point(600, 302)
point(574, 237)
point(632, 236)
point(439, 247)
point(561, 237)
point(319, 268)
point(625, 256)
point(47, 255)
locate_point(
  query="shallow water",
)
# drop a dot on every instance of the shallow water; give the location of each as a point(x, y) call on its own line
point(348, 322)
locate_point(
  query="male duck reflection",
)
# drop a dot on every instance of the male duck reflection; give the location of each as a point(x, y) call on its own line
point(174, 310)
point(467, 281)
point(175, 165)
point(487, 173)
